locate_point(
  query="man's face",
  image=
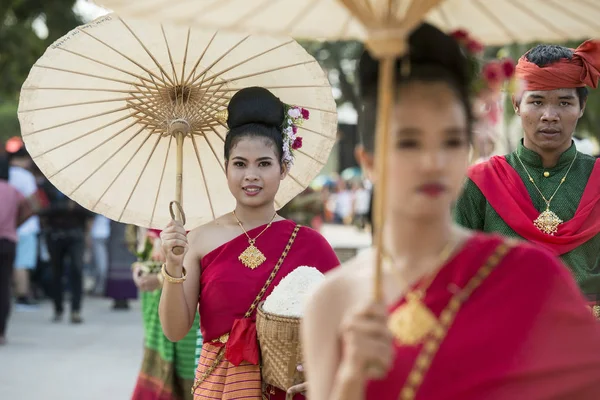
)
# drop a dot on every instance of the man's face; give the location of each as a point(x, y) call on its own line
point(549, 118)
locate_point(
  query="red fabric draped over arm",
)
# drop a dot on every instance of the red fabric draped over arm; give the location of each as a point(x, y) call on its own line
point(505, 191)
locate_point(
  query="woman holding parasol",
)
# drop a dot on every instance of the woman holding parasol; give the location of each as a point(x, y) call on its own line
point(464, 315)
point(235, 261)
point(116, 109)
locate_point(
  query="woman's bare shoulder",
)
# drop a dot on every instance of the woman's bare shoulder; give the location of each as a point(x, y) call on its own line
point(211, 235)
point(355, 273)
point(207, 228)
point(345, 286)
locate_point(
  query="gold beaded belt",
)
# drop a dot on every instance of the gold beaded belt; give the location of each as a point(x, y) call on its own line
point(221, 339)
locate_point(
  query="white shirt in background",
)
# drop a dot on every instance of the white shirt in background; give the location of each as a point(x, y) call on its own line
point(100, 227)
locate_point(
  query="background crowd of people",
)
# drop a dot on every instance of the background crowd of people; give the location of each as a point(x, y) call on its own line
point(62, 248)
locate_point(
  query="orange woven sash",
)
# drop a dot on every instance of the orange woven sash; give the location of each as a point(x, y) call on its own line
point(227, 381)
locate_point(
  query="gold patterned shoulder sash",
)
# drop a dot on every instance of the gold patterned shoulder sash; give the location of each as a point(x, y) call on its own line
point(433, 342)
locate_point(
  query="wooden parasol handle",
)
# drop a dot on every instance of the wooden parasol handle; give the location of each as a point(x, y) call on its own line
point(384, 105)
point(178, 215)
point(387, 35)
point(179, 128)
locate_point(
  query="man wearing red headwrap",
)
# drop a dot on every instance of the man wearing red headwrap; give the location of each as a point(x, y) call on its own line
point(546, 191)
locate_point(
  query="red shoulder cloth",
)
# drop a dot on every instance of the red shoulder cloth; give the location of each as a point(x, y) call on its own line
point(504, 189)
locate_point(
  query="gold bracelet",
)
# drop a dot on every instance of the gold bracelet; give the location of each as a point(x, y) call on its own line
point(596, 311)
point(172, 279)
point(160, 278)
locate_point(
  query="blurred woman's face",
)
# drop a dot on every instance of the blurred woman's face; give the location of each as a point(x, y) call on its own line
point(428, 152)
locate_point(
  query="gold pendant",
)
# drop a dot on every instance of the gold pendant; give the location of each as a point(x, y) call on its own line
point(252, 257)
point(412, 322)
point(548, 222)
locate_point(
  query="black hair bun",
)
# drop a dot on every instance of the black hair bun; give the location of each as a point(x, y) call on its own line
point(255, 105)
point(427, 46)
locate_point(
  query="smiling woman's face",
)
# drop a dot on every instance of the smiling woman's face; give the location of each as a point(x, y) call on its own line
point(254, 172)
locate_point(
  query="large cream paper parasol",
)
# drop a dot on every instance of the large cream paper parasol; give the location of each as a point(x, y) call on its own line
point(383, 26)
point(496, 22)
point(126, 116)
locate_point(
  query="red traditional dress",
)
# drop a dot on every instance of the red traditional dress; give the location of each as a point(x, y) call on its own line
point(514, 326)
point(227, 290)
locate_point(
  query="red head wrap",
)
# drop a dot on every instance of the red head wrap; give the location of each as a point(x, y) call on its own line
point(583, 69)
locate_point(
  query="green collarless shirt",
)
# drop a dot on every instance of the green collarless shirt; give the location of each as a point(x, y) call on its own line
point(473, 211)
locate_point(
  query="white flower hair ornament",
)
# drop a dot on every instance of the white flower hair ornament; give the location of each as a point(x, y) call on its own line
point(294, 118)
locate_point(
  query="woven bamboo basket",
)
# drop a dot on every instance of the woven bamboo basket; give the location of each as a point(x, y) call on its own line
point(280, 349)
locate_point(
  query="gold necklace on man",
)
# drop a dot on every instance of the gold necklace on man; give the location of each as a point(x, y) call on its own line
point(252, 257)
point(413, 321)
point(547, 222)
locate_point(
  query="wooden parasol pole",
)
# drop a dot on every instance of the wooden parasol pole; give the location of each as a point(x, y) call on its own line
point(387, 42)
point(382, 144)
point(178, 128)
point(385, 101)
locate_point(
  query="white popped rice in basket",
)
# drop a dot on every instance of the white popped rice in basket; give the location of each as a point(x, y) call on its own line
point(290, 295)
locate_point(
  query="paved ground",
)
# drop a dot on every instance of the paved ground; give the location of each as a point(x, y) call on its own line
point(97, 360)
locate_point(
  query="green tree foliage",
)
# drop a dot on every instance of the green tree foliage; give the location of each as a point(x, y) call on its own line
point(8, 120)
point(339, 60)
point(20, 47)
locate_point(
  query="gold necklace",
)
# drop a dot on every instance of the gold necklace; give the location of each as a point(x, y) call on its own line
point(252, 257)
point(413, 321)
point(547, 221)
